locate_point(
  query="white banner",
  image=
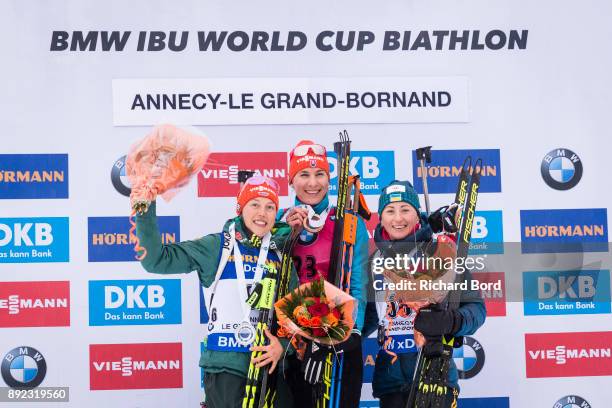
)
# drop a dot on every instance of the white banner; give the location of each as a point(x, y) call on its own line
point(243, 101)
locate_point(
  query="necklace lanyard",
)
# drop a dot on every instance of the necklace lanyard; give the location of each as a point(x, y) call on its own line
point(240, 277)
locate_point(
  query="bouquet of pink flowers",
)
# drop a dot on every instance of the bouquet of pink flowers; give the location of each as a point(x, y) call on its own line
point(160, 164)
point(163, 162)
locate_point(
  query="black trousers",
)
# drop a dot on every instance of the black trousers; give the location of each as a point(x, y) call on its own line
point(352, 379)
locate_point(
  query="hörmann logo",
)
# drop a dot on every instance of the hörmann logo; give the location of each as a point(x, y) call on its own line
point(567, 230)
point(135, 366)
point(135, 302)
point(566, 292)
point(28, 240)
point(26, 176)
point(376, 170)
point(568, 354)
point(219, 177)
point(445, 167)
point(35, 304)
point(109, 238)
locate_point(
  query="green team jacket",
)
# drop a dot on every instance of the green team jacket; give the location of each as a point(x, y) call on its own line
point(201, 255)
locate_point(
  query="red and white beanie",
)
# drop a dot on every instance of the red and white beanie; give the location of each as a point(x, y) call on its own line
point(306, 161)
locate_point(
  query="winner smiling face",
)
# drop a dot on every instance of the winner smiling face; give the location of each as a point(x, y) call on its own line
point(259, 215)
point(399, 220)
point(311, 185)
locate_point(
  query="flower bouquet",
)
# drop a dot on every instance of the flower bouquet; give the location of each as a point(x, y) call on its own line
point(160, 164)
point(426, 284)
point(318, 311)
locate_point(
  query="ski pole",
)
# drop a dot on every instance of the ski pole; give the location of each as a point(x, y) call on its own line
point(415, 380)
point(423, 154)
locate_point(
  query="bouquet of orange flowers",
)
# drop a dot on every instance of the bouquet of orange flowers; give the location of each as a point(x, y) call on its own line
point(318, 311)
point(163, 162)
point(160, 164)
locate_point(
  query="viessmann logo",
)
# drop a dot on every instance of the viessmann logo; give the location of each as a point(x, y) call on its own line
point(445, 167)
point(28, 240)
point(568, 354)
point(135, 366)
point(27, 176)
point(219, 177)
point(109, 238)
point(566, 230)
point(35, 304)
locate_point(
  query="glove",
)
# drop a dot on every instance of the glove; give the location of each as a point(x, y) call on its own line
point(349, 344)
point(435, 323)
point(443, 219)
point(314, 358)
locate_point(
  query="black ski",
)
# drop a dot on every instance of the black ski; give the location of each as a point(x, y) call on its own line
point(433, 363)
point(260, 388)
point(326, 393)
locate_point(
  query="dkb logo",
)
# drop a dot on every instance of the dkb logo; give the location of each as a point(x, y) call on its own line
point(137, 302)
point(487, 233)
point(26, 240)
point(566, 292)
point(375, 168)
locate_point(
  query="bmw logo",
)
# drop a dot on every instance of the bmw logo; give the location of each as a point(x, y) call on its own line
point(572, 401)
point(23, 367)
point(469, 358)
point(119, 179)
point(561, 169)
